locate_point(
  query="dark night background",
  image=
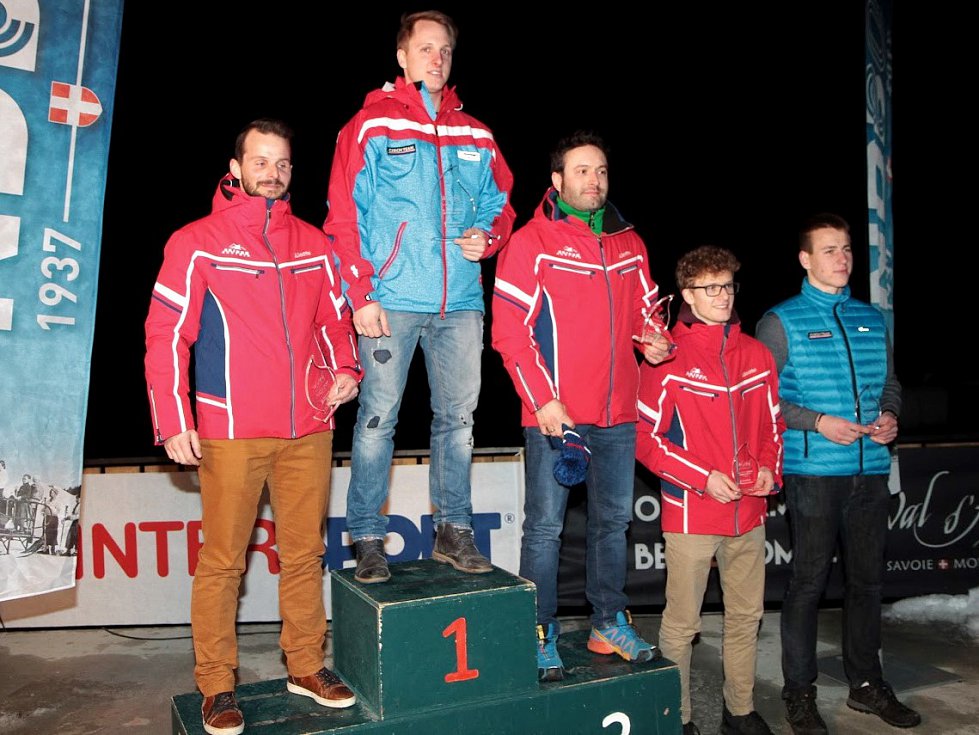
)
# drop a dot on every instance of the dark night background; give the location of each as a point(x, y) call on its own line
point(727, 123)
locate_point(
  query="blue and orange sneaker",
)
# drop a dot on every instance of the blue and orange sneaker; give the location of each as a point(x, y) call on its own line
point(622, 638)
point(549, 664)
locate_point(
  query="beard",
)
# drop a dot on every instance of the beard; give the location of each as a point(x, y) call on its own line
point(274, 189)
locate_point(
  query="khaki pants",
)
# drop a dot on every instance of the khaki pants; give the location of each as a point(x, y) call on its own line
point(741, 563)
point(233, 473)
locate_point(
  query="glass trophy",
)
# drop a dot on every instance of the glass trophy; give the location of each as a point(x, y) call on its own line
point(868, 408)
point(319, 382)
point(456, 202)
point(657, 322)
point(744, 469)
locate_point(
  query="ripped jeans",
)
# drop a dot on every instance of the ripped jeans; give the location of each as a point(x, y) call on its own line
point(453, 350)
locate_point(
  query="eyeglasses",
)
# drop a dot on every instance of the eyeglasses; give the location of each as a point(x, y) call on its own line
point(714, 289)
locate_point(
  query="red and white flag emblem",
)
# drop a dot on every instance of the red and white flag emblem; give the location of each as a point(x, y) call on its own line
point(73, 104)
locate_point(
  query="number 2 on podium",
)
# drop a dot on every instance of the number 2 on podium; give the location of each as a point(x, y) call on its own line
point(462, 672)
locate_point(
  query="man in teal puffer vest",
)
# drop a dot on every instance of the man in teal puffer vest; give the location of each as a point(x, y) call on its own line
point(840, 400)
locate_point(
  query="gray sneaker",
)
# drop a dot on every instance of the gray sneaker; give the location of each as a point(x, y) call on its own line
point(454, 545)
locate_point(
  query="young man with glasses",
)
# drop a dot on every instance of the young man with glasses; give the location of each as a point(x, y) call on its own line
point(419, 194)
point(710, 428)
point(841, 399)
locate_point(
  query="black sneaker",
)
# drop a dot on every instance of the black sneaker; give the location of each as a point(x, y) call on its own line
point(878, 699)
point(749, 724)
point(690, 729)
point(372, 564)
point(454, 545)
point(801, 712)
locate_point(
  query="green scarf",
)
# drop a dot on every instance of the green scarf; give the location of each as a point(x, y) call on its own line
point(592, 219)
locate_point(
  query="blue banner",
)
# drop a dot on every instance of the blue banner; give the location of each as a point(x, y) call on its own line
point(879, 181)
point(58, 61)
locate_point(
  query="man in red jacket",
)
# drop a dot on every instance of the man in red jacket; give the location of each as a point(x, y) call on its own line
point(252, 289)
point(572, 292)
point(710, 428)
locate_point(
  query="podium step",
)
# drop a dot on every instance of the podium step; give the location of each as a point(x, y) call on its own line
point(433, 636)
point(601, 694)
point(436, 651)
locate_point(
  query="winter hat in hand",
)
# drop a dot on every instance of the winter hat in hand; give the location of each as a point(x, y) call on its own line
point(572, 466)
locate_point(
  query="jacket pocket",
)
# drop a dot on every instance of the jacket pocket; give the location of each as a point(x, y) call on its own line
point(394, 251)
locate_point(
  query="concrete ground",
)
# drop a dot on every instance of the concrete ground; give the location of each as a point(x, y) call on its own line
point(95, 681)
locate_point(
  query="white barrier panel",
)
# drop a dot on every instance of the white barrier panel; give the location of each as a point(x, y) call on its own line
point(141, 531)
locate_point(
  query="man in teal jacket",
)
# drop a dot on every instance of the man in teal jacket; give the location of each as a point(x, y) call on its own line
point(840, 400)
point(419, 195)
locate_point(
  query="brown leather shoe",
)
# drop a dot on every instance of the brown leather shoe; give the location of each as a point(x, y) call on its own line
point(221, 715)
point(372, 563)
point(324, 687)
point(454, 545)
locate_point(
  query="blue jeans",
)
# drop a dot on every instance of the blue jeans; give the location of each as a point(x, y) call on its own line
point(610, 481)
point(822, 511)
point(453, 350)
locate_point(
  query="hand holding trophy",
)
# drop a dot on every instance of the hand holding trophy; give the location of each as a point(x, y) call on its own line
point(744, 469)
point(656, 324)
point(320, 380)
point(868, 408)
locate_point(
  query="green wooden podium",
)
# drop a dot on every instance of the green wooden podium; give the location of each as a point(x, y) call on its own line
point(439, 651)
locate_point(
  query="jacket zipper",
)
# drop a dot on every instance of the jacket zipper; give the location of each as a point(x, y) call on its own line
point(611, 327)
point(442, 239)
point(853, 376)
point(394, 252)
point(734, 431)
point(285, 321)
point(156, 419)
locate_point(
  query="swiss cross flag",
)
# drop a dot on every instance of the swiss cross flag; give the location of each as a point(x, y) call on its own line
point(73, 104)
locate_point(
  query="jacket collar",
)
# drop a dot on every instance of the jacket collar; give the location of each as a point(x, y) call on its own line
point(821, 297)
point(612, 223)
point(230, 197)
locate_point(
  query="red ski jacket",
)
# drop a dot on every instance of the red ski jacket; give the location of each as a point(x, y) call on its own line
point(252, 288)
point(567, 305)
point(718, 395)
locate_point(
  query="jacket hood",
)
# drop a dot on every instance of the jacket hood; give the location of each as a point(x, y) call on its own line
point(230, 195)
point(409, 94)
point(612, 224)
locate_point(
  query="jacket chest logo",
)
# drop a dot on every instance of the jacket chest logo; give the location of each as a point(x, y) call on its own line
point(821, 334)
point(695, 373)
point(400, 150)
point(236, 249)
point(569, 251)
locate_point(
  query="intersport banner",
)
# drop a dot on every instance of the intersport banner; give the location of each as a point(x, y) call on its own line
point(58, 61)
point(140, 533)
